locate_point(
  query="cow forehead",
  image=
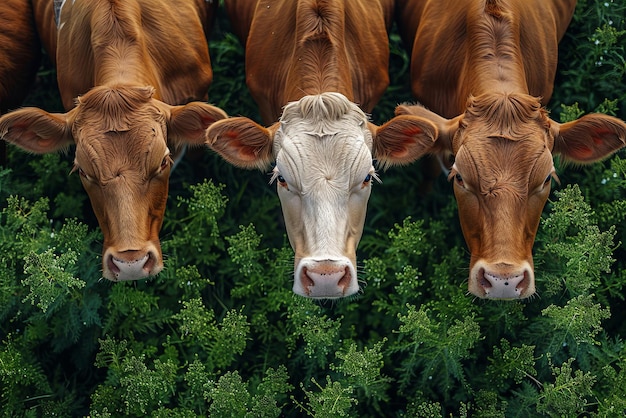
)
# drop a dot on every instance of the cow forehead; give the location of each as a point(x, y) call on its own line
point(340, 157)
point(495, 162)
point(118, 129)
point(517, 117)
point(502, 150)
point(107, 154)
point(323, 137)
point(323, 114)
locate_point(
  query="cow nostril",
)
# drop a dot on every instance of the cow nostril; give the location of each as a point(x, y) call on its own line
point(523, 284)
point(307, 282)
point(345, 280)
point(483, 281)
point(150, 262)
point(112, 266)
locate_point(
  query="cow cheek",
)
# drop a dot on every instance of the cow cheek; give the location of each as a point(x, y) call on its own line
point(97, 200)
point(157, 195)
point(536, 203)
point(470, 218)
point(357, 210)
point(291, 205)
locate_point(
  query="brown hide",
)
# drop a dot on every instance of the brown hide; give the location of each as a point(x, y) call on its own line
point(173, 55)
point(292, 52)
point(20, 54)
point(483, 69)
point(461, 51)
point(127, 72)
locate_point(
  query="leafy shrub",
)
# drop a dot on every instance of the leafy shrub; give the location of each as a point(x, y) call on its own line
point(220, 333)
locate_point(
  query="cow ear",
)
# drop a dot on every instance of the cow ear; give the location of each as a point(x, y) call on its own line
point(590, 138)
point(403, 140)
point(242, 142)
point(36, 130)
point(446, 128)
point(187, 124)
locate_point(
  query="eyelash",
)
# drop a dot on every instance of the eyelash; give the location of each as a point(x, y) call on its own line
point(81, 172)
point(167, 161)
point(459, 179)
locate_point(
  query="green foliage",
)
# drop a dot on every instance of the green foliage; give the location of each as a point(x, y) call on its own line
point(592, 56)
point(220, 333)
point(332, 400)
point(577, 246)
point(567, 396)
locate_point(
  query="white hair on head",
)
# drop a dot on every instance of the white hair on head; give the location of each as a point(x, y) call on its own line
point(322, 111)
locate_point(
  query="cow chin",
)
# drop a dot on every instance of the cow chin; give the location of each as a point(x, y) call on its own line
point(501, 280)
point(325, 277)
point(132, 264)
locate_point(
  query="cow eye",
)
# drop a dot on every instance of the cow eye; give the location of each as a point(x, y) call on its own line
point(281, 180)
point(167, 160)
point(369, 177)
point(81, 172)
point(548, 179)
point(367, 181)
point(459, 179)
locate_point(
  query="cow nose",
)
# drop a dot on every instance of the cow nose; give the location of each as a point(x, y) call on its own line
point(328, 279)
point(130, 264)
point(504, 284)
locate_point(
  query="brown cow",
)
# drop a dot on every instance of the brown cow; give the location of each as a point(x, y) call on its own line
point(132, 64)
point(315, 58)
point(485, 69)
point(20, 55)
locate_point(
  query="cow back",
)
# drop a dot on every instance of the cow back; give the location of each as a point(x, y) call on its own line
point(279, 37)
point(173, 52)
point(442, 36)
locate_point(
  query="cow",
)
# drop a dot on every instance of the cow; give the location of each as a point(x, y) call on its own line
point(20, 56)
point(314, 67)
point(131, 75)
point(483, 72)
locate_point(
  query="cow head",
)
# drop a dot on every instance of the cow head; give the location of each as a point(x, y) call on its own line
point(503, 147)
point(123, 138)
point(322, 150)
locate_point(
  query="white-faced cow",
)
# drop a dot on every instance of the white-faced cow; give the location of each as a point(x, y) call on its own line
point(313, 61)
point(485, 69)
point(134, 66)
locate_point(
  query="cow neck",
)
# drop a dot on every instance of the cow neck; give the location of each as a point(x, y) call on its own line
point(120, 54)
point(495, 62)
point(320, 62)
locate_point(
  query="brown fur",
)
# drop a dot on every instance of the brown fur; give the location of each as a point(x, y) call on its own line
point(486, 77)
point(126, 69)
point(19, 52)
point(514, 116)
point(324, 45)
